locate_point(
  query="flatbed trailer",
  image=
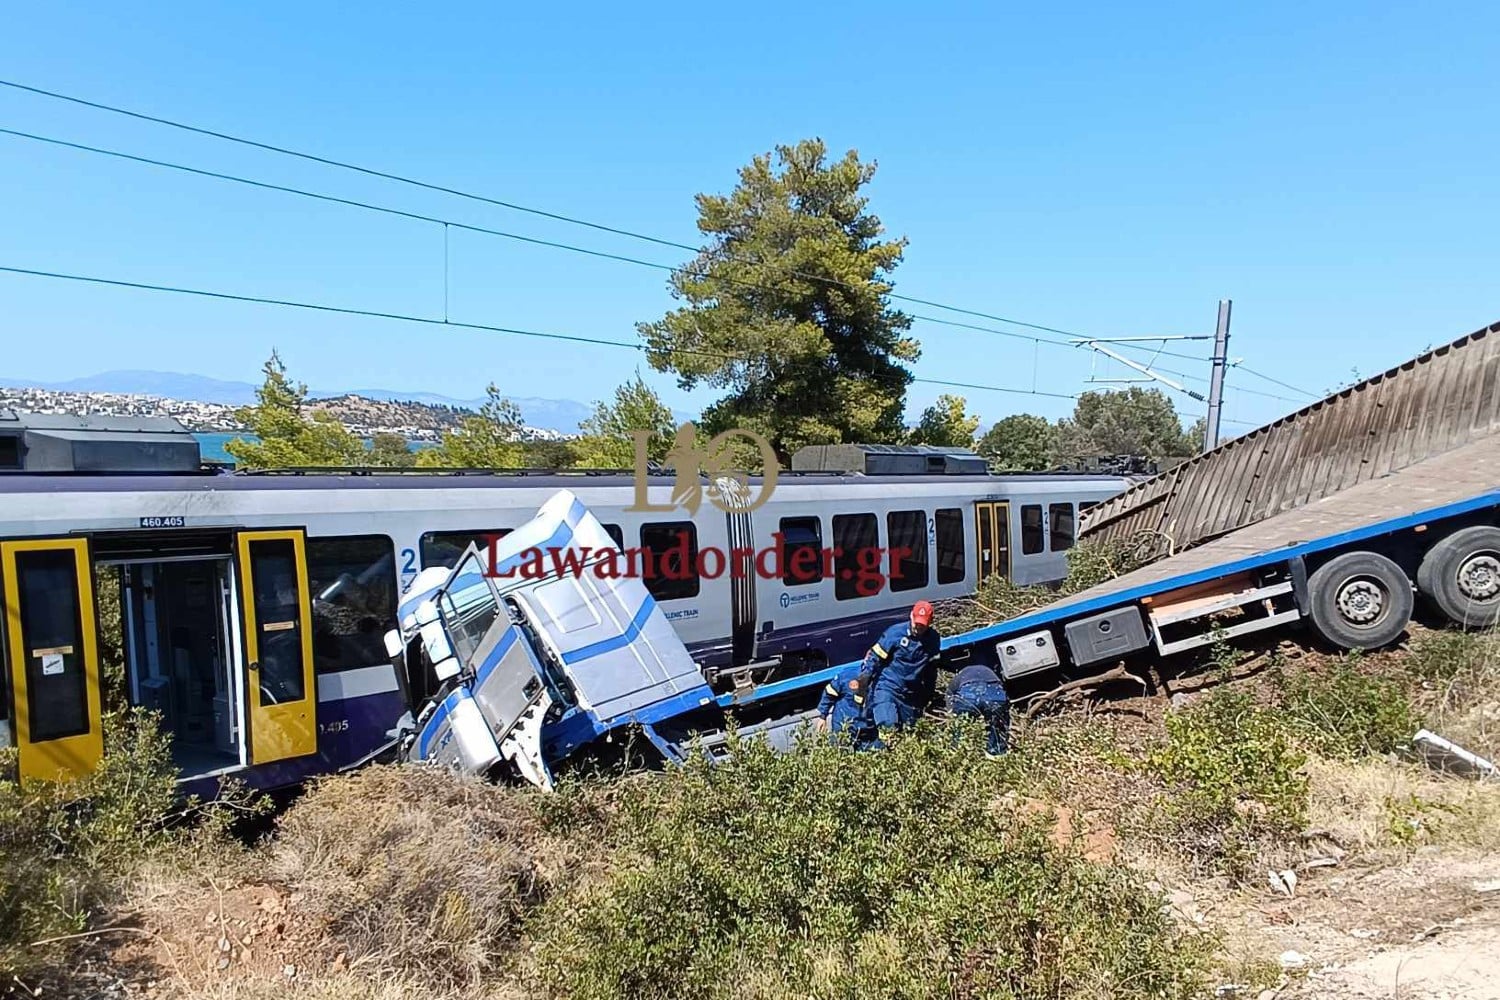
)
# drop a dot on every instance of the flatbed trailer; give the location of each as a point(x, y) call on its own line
point(1351, 565)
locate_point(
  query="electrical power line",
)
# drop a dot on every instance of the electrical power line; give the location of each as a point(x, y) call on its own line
point(428, 321)
point(1273, 381)
point(452, 223)
point(485, 199)
point(455, 224)
point(369, 171)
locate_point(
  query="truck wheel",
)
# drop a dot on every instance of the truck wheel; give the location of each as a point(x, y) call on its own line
point(1460, 576)
point(1360, 600)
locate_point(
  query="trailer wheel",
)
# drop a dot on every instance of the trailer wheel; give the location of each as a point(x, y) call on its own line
point(1360, 600)
point(1460, 576)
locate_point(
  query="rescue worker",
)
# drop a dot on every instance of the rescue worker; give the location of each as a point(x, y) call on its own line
point(904, 664)
point(978, 692)
point(845, 708)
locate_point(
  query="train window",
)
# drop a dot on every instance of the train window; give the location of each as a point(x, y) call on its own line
point(950, 546)
point(442, 548)
point(907, 529)
point(1060, 516)
point(1031, 529)
point(10, 456)
point(613, 530)
point(52, 628)
point(352, 579)
point(671, 572)
point(1085, 505)
point(801, 550)
point(856, 573)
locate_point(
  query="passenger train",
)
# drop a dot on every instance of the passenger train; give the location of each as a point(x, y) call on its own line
point(214, 568)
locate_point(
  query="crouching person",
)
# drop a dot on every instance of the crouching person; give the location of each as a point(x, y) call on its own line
point(845, 708)
point(978, 692)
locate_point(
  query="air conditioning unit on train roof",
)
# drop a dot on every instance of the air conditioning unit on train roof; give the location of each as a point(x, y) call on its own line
point(57, 442)
point(888, 460)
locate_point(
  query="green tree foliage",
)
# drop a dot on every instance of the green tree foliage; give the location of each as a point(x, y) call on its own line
point(549, 454)
point(391, 451)
point(607, 442)
point(1022, 442)
point(1132, 421)
point(489, 439)
point(786, 307)
point(946, 423)
point(288, 437)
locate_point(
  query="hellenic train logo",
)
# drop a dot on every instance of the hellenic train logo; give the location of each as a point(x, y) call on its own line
point(787, 600)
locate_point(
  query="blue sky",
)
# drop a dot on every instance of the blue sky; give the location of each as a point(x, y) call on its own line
point(1110, 169)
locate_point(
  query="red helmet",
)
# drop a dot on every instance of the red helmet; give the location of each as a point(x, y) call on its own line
point(921, 613)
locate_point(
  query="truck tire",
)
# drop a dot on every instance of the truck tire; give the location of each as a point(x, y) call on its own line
point(1460, 576)
point(1360, 600)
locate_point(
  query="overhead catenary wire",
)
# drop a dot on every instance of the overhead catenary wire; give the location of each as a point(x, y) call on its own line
point(453, 223)
point(1251, 371)
point(448, 223)
point(430, 321)
point(514, 206)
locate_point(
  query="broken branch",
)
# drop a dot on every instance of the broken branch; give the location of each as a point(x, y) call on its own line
point(1118, 673)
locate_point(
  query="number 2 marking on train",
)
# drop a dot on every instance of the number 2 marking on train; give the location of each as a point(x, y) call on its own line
point(408, 568)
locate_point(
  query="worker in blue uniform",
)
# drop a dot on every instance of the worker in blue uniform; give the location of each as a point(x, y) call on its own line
point(845, 708)
point(904, 664)
point(978, 692)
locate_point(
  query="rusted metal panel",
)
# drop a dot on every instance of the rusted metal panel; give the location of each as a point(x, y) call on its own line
point(1442, 400)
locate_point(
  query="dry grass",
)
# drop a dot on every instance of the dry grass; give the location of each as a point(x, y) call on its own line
point(339, 986)
point(1458, 681)
point(1375, 806)
point(417, 871)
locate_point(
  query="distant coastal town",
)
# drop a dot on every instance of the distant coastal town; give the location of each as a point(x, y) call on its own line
point(416, 422)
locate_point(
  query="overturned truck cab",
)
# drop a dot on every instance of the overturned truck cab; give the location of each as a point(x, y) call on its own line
point(512, 673)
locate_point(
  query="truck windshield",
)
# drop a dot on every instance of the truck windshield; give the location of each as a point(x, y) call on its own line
point(469, 608)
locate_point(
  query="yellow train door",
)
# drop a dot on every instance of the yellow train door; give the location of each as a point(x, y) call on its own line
point(992, 530)
point(277, 618)
point(53, 656)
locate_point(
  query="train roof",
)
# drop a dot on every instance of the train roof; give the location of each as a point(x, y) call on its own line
point(426, 479)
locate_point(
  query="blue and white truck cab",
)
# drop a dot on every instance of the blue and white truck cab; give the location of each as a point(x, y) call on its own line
point(508, 670)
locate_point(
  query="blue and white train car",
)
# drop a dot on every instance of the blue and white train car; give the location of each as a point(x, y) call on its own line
point(254, 606)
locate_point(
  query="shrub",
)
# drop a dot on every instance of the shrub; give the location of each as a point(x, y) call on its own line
point(1234, 778)
point(1345, 713)
point(65, 846)
point(824, 872)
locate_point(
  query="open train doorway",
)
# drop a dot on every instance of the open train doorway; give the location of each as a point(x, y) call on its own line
point(179, 647)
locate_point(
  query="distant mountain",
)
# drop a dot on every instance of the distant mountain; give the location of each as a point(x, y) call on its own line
point(551, 414)
point(169, 384)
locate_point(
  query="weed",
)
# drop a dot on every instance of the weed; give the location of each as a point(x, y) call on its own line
point(1458, 677)
point(1234, 778)
point(64, 846)
point(1346, 713)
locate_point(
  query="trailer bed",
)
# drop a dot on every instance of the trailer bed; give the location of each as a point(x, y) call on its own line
point(1467, 478)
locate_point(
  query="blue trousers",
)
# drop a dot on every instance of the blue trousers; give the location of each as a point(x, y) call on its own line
point(985, 700)
point(891, 712)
